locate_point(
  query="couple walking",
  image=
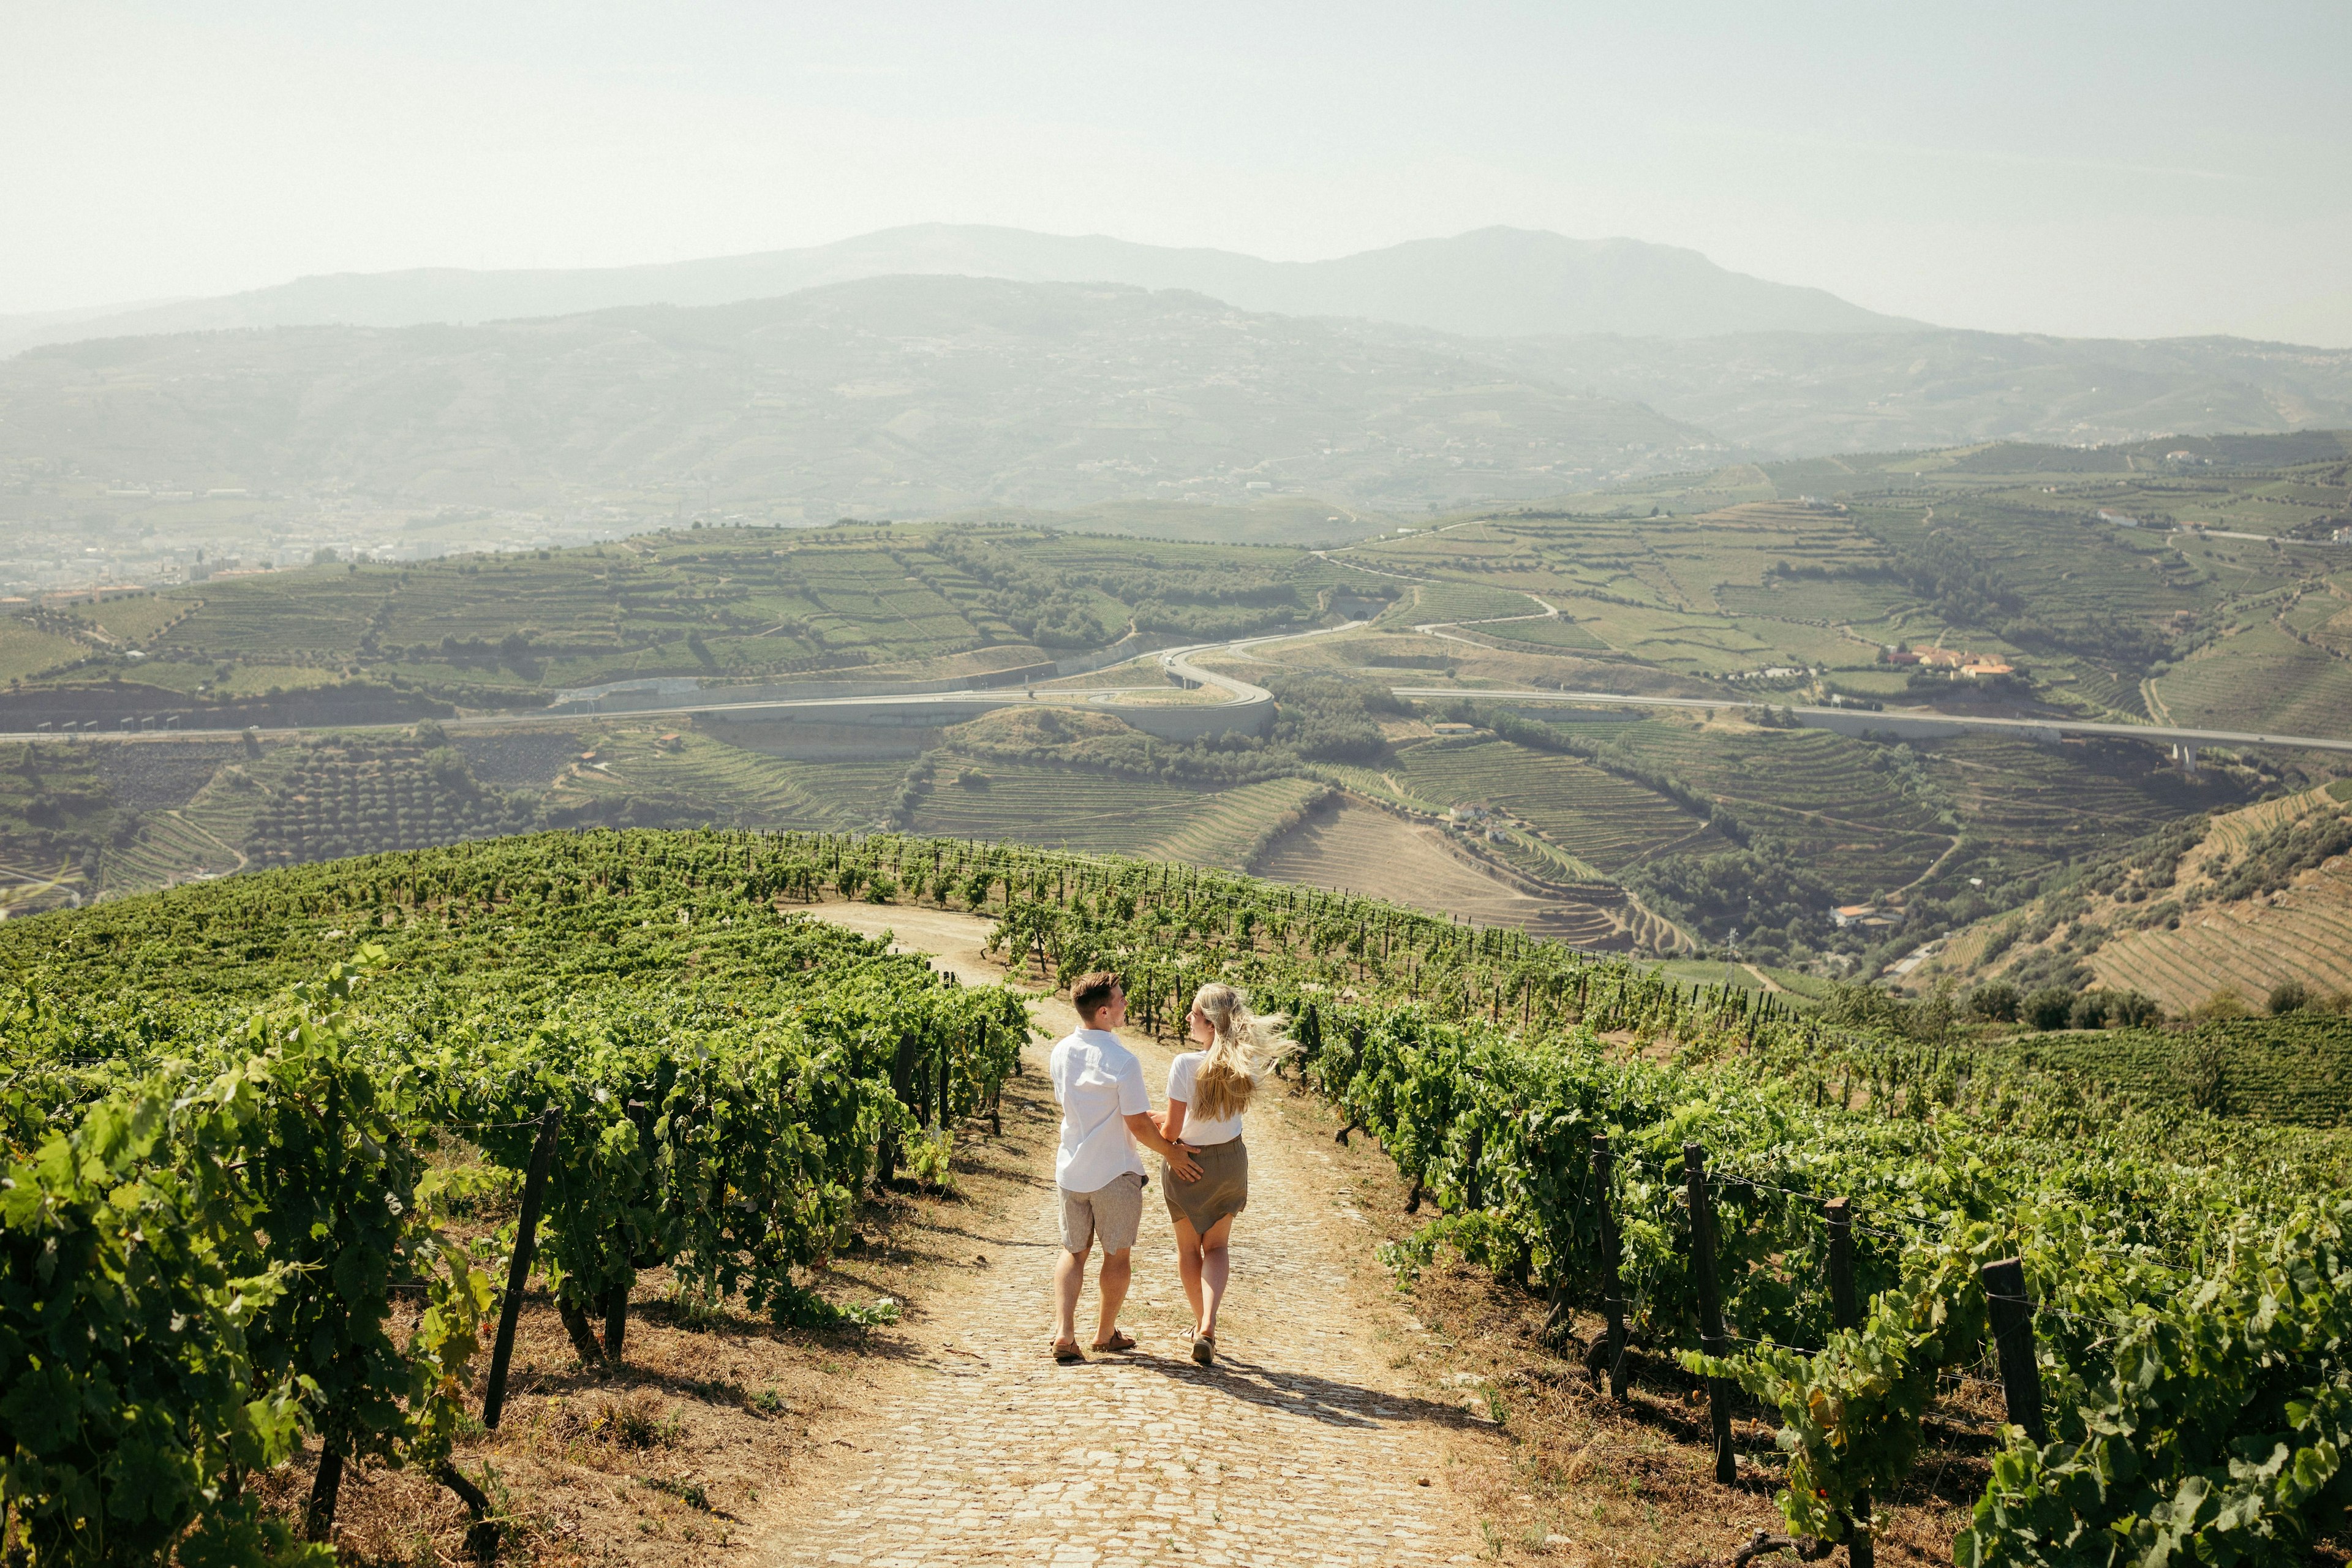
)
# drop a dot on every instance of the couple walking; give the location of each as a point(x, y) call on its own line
point(1203, 1170)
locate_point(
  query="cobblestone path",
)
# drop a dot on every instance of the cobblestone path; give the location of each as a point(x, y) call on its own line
point(1300, 1446)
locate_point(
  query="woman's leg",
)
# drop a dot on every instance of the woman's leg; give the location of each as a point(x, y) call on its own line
point(1216, 1267)
point(1188, 1265)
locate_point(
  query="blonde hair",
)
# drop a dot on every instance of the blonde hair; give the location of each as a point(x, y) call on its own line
point(1245, 1046)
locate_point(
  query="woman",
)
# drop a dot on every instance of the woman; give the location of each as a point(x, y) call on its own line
point(1208, 1090)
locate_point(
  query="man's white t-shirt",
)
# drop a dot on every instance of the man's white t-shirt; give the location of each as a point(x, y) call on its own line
point(1199, 1131)
point(1100, 1084)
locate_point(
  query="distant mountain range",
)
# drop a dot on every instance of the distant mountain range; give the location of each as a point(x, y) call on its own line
point(1498, 282)
point(893, 396)
point(1605, 357)
point(1794, 394)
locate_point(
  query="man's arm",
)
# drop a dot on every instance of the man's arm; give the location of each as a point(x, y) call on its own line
point(1181, 1163)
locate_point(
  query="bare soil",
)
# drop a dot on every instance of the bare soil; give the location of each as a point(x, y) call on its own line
point(1362, 849)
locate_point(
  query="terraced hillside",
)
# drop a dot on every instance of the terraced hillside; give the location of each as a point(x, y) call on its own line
point(330, 802)
point(1364, 849)
point(1607, 822)
point(2256, 899)
point(645, 772)
point(169, 847)
point(55, 812)
point(2025, 805)
point(2303, 935)
point(717, 605)
point(2259, 677)
point(1877, 816)
point(1062, 808)
point(1849, 806)
point(649, 772)
point(2109, 579)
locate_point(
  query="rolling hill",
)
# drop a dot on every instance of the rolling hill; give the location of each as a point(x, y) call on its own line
point(901, 396)
point(1800, 394)
point(1499, 282)
point(1771, 367)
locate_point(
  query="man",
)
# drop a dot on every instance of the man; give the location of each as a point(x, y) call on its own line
point(1106, 1113)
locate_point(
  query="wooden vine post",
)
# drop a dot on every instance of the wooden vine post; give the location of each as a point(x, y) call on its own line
point(1710, 1306)
point(1845, 1312)
point(616, 1300)
point(996, 1098)
point(2012, 1312)
point(947, 1082)
point(534, 1193)
point(1612, 1289)
point(902, 1089)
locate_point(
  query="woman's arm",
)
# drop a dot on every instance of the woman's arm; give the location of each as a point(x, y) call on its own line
point(1173, 1123)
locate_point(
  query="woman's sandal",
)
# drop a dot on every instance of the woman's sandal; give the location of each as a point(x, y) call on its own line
point(1067, 1354)
point(1121, 1340)
point(1204, 1348)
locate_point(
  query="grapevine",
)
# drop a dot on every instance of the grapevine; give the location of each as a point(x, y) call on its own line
point(730, 1077)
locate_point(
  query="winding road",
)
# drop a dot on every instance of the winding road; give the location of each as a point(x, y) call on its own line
point(1247, 706)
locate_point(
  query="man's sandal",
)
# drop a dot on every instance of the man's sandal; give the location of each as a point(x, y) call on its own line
point(1121, 1340)
point(1067, 1354)
point(1204, 1348)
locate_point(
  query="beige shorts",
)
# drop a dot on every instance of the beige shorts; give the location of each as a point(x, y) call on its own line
point(1113, 1214)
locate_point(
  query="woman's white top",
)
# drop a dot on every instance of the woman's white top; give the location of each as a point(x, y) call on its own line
point(1199, 1131)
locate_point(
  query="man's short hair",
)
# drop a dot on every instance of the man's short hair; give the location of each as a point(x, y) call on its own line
point(1093, 992)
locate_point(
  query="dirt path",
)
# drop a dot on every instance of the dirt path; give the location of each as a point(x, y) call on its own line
point(1300, 1446)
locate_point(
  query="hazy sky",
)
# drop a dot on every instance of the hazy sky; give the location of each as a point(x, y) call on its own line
point(2133, 169)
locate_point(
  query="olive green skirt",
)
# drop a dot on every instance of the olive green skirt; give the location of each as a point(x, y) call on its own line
point(1222, 1189)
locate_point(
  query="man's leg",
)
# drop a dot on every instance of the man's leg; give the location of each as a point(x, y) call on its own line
point(1118, 1268)
point(1118, 1210)
point(1188, 1267)
point(1070, 1269)
point(1069, 1279)
point(1216, 1268)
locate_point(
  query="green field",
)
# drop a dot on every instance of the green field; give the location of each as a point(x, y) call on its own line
point(27, 649)
point(1426, 603)
point(1561, 633)
point(2297, 1069)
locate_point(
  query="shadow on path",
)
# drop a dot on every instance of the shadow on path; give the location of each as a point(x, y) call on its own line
point(1323, 1399)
